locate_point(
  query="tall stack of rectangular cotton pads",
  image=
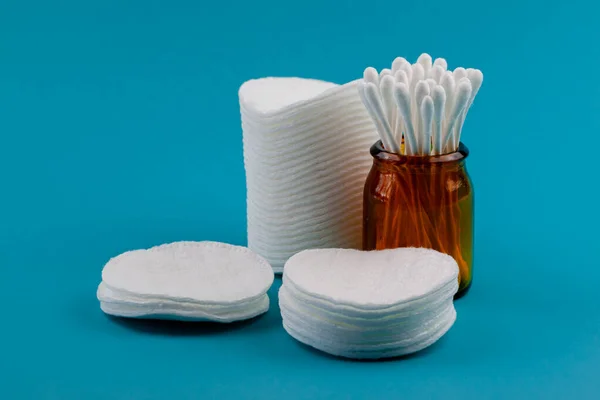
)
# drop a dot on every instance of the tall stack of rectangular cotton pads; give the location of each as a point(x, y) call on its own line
point(306, 154)
point(369, 305)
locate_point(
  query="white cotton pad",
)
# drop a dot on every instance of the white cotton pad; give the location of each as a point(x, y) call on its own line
point(410, 308)
point(301, 192)
point(160, 311)
point(374, 352)
point(271, 96)
point(396, 335)
point(115, 298)
point(373, 322)
point(370, 279)
point(196, 272)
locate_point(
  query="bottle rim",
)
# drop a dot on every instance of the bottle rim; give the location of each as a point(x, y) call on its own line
point(380, 154)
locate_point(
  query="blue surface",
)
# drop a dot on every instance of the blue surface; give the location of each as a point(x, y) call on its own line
point(120, 129)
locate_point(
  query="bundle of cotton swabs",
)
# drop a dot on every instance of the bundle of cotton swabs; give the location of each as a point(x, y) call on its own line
point(422, 105)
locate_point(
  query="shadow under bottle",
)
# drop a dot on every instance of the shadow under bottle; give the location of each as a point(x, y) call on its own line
point(421, 201)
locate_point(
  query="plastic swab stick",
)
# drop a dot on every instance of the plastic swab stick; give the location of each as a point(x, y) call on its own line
point(402, 97)
point(372, 95)
point(441, 62)
point(426, 120)
point(461, 97)
point(439, 103)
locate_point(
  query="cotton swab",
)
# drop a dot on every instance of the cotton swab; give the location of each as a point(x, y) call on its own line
point(407, 68)
point(400, 77)
point(436, 73)
point(449, 86)
point(398, 63)
point(421, 90)
point(371, 75)
point(386, 88)
point(384, 72)
point(425, 60)
point(441, 62)
point(459, 73)
point(432, 83)
point(461, 97)
point(475, 76)
point(402, 97)
point(426, 121)
point(372, 95)
point(439, 103)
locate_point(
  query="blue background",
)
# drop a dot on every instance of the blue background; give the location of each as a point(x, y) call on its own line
point(120, 129)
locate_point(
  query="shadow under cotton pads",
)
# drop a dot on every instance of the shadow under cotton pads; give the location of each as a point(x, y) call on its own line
point(306, 156)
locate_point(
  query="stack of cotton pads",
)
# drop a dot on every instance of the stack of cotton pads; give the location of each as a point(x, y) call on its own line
point(306, 154)
point(369, 305)
point(205, 281)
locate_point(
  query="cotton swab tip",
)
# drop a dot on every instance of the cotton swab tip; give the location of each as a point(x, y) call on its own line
point(441, 63)
point(398, 63)
point(401, 77)
point(371, 75)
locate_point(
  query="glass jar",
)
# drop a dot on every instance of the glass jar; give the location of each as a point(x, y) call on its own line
point(421, 201)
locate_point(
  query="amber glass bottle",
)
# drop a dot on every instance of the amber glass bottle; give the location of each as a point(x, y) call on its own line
point(421, 201)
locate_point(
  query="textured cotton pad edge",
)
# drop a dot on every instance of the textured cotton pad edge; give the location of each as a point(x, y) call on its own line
point(190, 273)
point(333, 329)
point(353, 354)
point(352, 311)
point(172, 313)
point(319, 273)
point(107, 296)
point(344, 321)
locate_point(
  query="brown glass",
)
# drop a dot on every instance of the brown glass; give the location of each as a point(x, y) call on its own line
point(421, 201)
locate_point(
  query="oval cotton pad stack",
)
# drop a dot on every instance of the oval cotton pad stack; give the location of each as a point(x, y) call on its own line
point(306, 155)
point(204, 281)
point(369, 304)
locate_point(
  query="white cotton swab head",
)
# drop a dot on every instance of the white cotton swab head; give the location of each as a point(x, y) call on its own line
point(436, 73)
point(449, 86)
point(418, 73)
point(426, 120)
point(401, 77)
point(476, 78)
point(402, 97)
point(441, 62)
point(432, 83)
point(461, 97)
point(398, 63)
point(425, 60)
point(387, 137)
point(407, 68)
point(384, 72)
point(459, 73)
point(438, 96)
point(371, 75)
point(386, 88)
point(421, 90)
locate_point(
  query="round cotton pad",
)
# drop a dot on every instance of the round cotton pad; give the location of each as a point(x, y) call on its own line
point(370, 279)
point(201, 272)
